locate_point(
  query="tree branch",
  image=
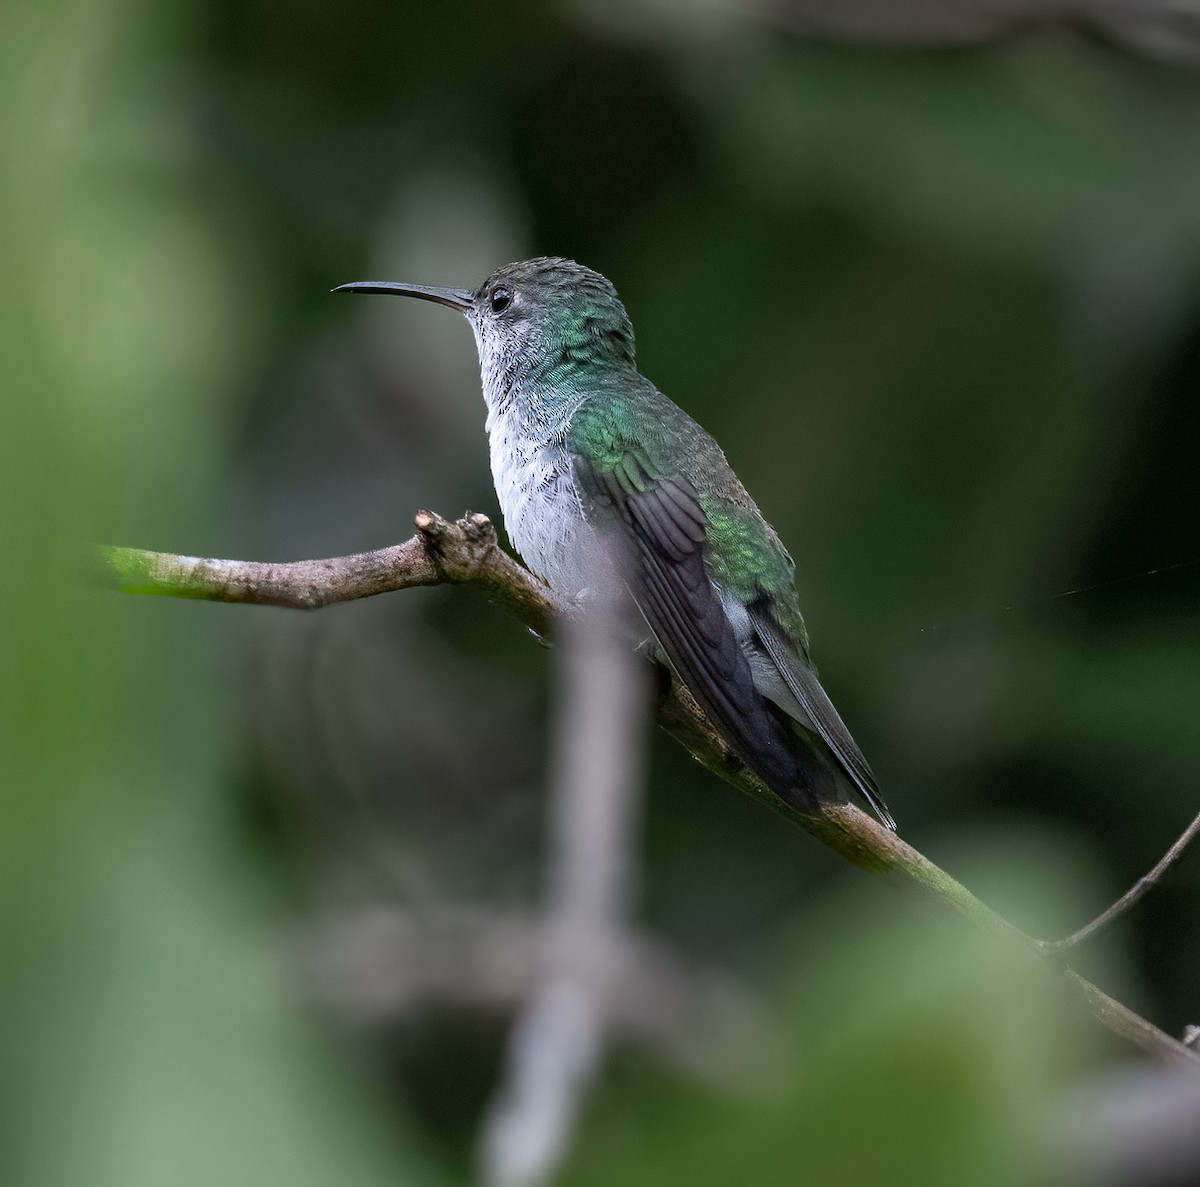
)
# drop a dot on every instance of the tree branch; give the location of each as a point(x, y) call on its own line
point(382, 962)
point(556, 1044)
point(466, 551)
point(1134, 894)
point(440, 552)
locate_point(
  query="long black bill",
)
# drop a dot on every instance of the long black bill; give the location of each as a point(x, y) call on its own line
point(459, 299)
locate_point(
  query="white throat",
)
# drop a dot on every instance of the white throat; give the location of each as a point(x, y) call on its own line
point(532, 469)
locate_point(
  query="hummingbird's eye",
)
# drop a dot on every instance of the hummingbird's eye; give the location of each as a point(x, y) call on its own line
point(501, 298)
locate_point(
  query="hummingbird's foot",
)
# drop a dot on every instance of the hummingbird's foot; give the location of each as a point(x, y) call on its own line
point(648, 649)
point(541, 640)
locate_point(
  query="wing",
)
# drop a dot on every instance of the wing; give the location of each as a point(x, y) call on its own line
point(806, 688)
point(660, 519)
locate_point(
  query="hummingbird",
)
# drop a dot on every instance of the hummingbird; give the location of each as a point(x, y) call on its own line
point(583, 446)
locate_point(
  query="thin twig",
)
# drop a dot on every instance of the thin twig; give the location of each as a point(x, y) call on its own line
point(467, 551)
point(1134, 894)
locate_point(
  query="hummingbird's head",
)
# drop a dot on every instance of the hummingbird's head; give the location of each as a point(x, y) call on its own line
point(551, 313)
point(547, 318)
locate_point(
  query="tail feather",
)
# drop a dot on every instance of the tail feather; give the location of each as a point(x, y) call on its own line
point(802, 682)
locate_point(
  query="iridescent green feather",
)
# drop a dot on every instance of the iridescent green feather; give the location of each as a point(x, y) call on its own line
point(744, 554)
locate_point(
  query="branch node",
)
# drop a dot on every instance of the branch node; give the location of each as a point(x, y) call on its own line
point(459, 551)
point(480, 535)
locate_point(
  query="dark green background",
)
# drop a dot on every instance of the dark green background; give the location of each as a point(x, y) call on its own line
point(939, 305)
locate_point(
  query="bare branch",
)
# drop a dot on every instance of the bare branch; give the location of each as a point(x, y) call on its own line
point(440, 552)
point(1130, 1126)
point(466, 551)
point(1134, 894)
point(380, 963)
point(557, 1041)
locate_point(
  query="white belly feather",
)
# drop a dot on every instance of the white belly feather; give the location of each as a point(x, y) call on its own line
point(542, 510)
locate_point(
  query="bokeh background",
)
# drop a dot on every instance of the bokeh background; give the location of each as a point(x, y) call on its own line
point(927, 271)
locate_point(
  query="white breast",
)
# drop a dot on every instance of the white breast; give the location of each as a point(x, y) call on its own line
point(538, 496)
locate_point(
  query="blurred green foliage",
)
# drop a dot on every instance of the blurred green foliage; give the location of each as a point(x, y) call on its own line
point(939, 306)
